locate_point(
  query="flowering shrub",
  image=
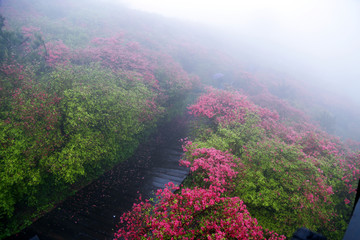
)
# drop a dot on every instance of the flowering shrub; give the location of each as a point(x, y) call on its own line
point(57, 53)
point(211, 166)
point(172, 78)
point(281, 185)
point(191, 214)
point(285, 111)
point(248, 83)
point(224, 107)
point(198, 213)
point(37, 114)
point(316, 145)
point(115, 53)
point(291, 175)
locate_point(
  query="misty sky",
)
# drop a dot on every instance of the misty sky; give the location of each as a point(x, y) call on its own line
point(322, 35)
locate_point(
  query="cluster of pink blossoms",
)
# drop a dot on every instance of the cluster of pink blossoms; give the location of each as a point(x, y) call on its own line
point(192, 214)
point(214, 166)
point(226, 107)
point(198, 213)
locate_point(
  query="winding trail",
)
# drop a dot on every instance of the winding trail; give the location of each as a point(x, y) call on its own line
point(94, 211)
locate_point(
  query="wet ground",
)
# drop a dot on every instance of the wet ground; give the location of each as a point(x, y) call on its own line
point(94, 211)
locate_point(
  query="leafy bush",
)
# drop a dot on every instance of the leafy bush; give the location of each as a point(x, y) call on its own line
point(288, 176)
point(191, 214)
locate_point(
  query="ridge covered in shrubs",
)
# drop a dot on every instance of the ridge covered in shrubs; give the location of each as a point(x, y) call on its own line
point(83, 85)
point(285, 174)
point(69, 113)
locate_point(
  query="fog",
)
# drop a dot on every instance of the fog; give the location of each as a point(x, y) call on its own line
point(315, 40)
point(86, 84)
point(312, 42)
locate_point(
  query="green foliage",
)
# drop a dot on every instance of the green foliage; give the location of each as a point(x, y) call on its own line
point(13, 143)
point(231, 137)
point(65, 119)
point(83, 149)
point(272, 186)
point(101, 116)
point(67, 128)
point(282, 187)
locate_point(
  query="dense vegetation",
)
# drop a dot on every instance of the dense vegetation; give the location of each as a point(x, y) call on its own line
point(70, 113)
point(290, 174)
point(82, 84)
point(285, 173)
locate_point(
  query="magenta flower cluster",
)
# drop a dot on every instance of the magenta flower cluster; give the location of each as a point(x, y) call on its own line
point(198, 213)
point(191, 214)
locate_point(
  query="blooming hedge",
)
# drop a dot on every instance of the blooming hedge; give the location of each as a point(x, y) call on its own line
point(290, 174)
point(205, 211)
